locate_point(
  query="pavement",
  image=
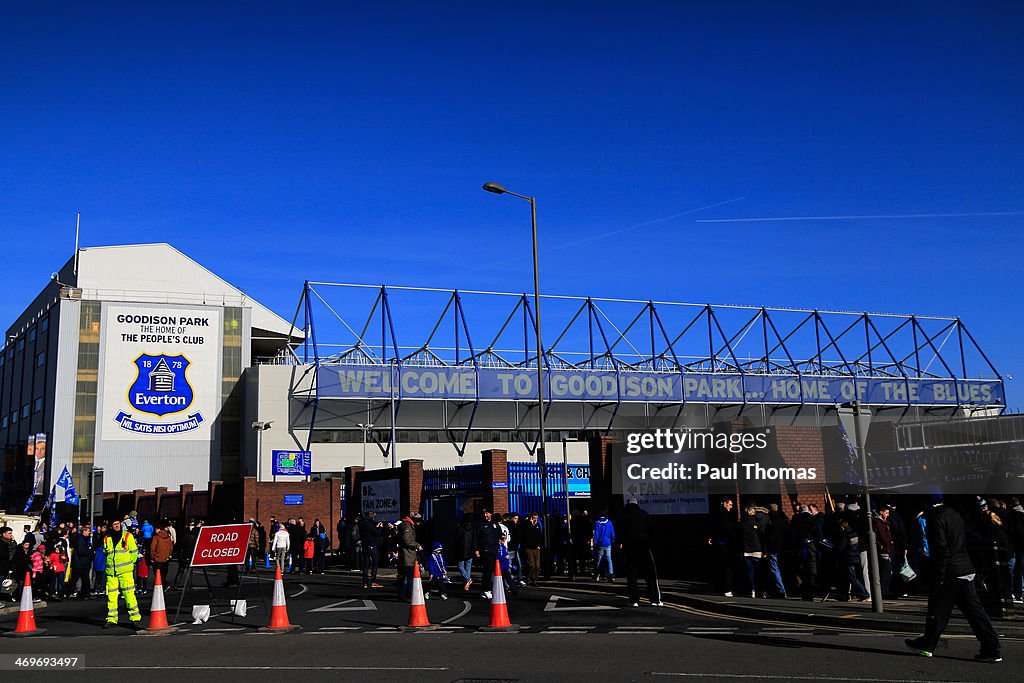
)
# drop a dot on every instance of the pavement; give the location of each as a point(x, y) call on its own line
point(568, 630)
point(903, 615)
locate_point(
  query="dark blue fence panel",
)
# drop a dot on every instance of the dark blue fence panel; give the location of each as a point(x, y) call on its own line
point(465, 479)
point(524, 486)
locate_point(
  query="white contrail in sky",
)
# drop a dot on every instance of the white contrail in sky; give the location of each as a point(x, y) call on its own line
point(852, 218)
point(640, 225)
point(491, 264)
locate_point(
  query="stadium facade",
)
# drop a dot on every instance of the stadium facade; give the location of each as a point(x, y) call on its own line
point(137, 360)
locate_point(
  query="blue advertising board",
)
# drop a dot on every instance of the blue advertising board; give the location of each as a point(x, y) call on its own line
point(293, 499)
point(467, 383)
point(292, 463)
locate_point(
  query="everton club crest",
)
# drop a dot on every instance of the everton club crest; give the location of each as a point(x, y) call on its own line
point(161, 388)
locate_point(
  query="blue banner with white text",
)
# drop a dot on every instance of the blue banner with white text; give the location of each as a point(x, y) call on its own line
point(497, 384)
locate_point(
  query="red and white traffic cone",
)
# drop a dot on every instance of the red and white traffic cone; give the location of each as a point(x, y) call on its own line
point(26, 614)
point(499, 610)
point(158, 625)
point(418, 620)
point(279, 611)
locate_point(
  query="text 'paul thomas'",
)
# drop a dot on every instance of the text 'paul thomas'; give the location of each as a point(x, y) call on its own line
point(703, 471)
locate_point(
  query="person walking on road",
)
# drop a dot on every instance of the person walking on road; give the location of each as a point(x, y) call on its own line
point(723, 543)
point(280, 547)
point(371, 535)
point(488, 535)
point(121, 554)
point(161, 547)
point(531, 538)
point(952, 585)
point(635, 542)
point(465, 545)
point(603, 539)
point(408, 556)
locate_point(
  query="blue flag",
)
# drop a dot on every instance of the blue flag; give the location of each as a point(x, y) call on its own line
point(50, 498)
point(65, 483)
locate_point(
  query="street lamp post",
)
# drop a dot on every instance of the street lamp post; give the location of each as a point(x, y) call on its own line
point(259, 428)
point(860, 416)
point(365, 427)
point(541, 458)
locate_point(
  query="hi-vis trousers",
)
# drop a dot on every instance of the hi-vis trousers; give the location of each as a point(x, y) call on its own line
point(124, 584)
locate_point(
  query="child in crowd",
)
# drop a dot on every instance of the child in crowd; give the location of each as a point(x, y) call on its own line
point(38, 567)
point(438, 572)
point(55, 562)
point(308, 550)
point(503, 561)
point(142, 571)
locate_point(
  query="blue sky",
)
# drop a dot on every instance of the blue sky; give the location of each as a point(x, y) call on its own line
point(348, 142)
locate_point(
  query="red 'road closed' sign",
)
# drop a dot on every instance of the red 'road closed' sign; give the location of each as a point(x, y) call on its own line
point(218, 545)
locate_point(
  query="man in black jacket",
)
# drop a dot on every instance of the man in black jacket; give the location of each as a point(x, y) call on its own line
point(488, 533)
point(531, 538)
point(634, 536)
point(952, 584)
point(723, 544)
point(81, 562)
point(371, 536)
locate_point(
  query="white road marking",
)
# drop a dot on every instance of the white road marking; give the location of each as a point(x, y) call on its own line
point(367, 605)
point(339, 628)
point(553, 606)
point(644, 628)
point(467, 606)
point(273, 668)
point(222, 630)
point(304, 589)
point(828, 676)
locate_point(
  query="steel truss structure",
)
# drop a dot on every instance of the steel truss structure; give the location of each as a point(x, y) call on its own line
point(398, 330)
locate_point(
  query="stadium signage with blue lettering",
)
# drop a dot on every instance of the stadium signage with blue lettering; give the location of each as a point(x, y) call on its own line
point(498, 384)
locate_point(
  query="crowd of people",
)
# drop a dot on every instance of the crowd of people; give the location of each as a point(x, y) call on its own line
point(814, 553)
point(760, 550)
point(70, 561)
point(580, 546)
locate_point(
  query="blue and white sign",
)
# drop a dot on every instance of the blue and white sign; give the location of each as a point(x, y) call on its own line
point(499, 484)
point(293, 499)
point(292, 463)
point(159, 372)
point(503, 384)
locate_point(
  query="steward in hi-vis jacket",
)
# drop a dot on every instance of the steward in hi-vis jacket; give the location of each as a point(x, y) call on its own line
point(122, 553)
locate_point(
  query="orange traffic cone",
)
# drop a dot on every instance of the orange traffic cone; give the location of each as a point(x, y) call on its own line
point(499, 610)
point(26, 614)
point(158, 625)
point(278, 610)
point(418, 620)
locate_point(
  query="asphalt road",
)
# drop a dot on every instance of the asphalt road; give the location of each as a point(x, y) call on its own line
point(568, 632)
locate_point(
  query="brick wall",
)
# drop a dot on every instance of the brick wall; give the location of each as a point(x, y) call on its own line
point(412, 486)
point(495, 469)
point(802, 447)
point(599, 451)
point(321, 499)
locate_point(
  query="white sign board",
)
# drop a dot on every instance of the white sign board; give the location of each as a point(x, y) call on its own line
point(382, 497)
point(666, 497)
point(159, 372)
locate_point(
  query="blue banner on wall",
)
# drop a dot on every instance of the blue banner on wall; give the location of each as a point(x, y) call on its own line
point(497, 384)
point(293, 498)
